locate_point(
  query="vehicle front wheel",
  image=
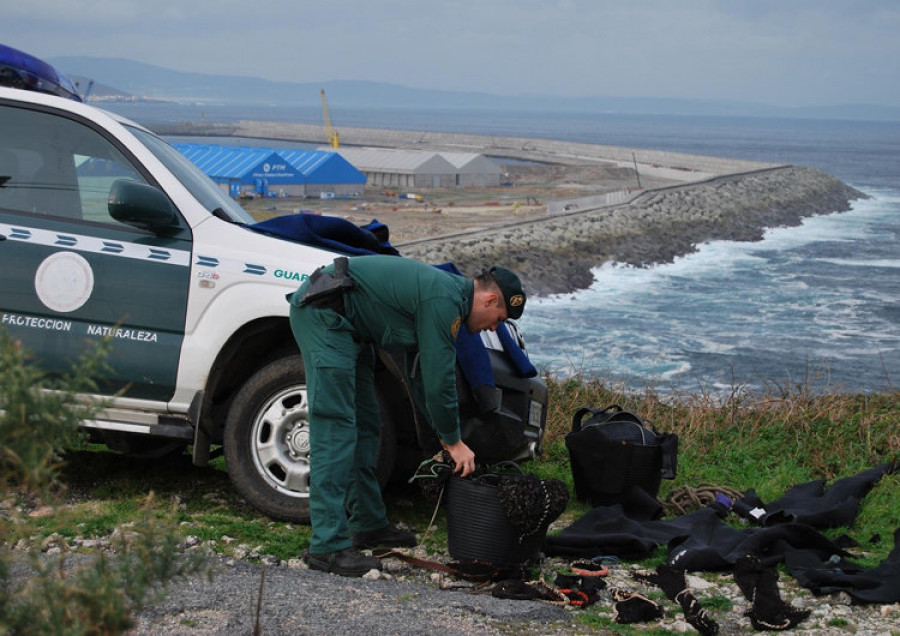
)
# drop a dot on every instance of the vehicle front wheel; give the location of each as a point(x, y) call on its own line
point(266, 441)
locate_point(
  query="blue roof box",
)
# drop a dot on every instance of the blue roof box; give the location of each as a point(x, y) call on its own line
point(21, 70)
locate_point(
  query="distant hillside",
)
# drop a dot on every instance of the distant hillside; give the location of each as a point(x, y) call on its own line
point(112, 76)
point(87, 86)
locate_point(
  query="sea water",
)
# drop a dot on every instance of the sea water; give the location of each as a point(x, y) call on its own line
point(804, 306)
point(816, 305)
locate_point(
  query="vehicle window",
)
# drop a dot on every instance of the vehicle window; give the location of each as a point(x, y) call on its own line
point(211, 196)
point(56, 166)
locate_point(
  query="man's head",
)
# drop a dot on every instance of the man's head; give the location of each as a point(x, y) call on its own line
point(498, 296)
point(511, 288)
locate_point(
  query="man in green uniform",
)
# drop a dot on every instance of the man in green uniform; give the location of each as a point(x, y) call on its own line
point(396, 304)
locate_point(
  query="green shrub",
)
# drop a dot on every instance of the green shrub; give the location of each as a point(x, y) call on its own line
point(39, 419)
point(39, 416)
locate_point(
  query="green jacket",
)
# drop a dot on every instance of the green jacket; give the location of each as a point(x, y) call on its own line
point(402, 304)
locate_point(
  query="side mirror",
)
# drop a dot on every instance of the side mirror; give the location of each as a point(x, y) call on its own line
point(141, 205)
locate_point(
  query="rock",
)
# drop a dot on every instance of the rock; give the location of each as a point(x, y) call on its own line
point(697, 583)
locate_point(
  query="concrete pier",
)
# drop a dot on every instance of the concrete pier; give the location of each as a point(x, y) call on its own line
point(670, 165)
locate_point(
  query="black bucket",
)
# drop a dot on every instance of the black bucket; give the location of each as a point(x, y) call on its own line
point(477, 528)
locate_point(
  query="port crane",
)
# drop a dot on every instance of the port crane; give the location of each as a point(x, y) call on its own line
point(330, 132)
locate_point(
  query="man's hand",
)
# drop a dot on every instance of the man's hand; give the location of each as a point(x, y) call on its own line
point(462, 456)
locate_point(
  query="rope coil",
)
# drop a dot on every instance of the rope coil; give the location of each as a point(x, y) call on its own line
point(687, 498)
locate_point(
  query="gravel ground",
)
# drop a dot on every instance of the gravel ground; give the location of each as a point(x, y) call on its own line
point(297, 600)
point(407, 600)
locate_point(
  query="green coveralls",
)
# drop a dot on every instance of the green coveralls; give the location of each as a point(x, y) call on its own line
point(398, 304)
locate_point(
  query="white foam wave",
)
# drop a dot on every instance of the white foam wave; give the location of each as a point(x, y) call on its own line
point(852, 225)
point(855, 262)
point(719, 259)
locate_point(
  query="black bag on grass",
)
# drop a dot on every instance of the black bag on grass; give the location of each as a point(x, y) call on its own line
point(613, 451)
point(501, 517)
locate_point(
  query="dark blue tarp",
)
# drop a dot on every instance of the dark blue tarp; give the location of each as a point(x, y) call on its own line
point(330, 232)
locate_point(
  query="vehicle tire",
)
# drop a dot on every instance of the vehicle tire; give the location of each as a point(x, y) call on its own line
point(266, 441)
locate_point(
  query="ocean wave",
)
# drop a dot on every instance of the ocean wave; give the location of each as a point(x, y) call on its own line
point(857, 262)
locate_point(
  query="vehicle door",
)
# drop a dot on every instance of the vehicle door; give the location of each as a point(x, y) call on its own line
point(71, 274)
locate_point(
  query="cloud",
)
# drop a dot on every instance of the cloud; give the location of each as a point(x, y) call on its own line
point(791, 53)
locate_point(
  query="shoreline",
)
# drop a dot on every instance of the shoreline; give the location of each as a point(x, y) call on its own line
point(555, 255)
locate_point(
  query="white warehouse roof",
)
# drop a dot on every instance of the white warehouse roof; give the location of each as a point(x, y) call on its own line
point(471, 163)
point(397, 161)
point(397, 168)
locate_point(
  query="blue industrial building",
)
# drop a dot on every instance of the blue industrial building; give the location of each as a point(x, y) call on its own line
point(276, 171)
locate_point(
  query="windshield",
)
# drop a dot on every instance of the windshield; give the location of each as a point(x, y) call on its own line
point(211, 196)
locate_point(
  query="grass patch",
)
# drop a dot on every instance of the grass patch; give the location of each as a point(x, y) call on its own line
point(91, 519)
point(600, 620)
point(716, 603)
point(767, 443)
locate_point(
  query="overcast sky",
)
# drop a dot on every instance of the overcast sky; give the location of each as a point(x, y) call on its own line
point(781, 52)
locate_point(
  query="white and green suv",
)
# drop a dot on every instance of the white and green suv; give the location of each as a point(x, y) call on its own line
point(107, 231)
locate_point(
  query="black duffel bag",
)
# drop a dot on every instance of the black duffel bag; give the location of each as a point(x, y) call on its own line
point(613, 451)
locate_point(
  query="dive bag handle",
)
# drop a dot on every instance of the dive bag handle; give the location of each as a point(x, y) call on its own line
point(611, 413)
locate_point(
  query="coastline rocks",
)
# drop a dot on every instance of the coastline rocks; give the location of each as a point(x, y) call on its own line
point(556, 254)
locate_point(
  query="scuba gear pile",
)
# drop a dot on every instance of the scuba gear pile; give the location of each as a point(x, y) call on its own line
point(673, 583)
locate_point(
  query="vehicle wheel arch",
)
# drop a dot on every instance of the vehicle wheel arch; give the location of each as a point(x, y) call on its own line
point(250, 348)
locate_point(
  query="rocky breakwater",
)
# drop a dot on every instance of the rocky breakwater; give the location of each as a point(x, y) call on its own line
point(555, 254)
